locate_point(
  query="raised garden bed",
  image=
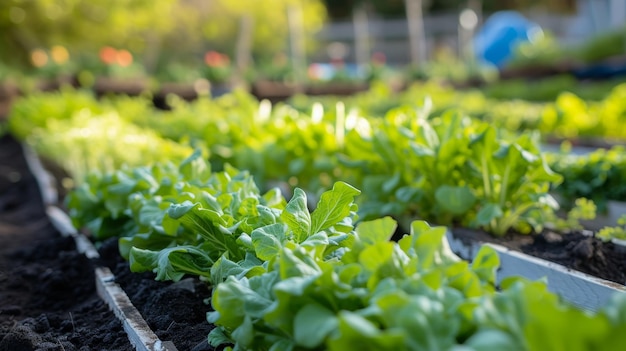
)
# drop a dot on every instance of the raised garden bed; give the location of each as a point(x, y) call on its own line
point(579, 267)
point(513, 260)
point(274, 91)
point(131, 87)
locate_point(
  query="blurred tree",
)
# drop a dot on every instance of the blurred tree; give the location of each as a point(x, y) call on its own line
point(221, 23)
point(80, 25)
point(202, 25)
point(157, 29)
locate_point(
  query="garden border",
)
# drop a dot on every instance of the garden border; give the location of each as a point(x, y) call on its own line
point(583, 290)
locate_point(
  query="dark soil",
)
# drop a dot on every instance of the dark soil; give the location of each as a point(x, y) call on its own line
point(579, 251)
point(48, 299)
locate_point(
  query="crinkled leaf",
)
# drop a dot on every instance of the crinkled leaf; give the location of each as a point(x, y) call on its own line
point(218, 337)
point(268, 240)
point(357, 333)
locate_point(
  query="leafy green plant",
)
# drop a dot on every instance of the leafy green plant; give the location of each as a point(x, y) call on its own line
point(599, 176)
point(617, 232)
point(36, 111)
point(451, 169)
point(516, 179)
point(583, 209)
point(102, 204)
point(409, 295)
point(80, 146)
point(245, 233)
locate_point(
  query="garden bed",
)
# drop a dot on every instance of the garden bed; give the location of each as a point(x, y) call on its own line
point(175, 311)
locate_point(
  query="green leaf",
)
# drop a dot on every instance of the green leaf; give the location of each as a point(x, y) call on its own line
point(207, 224)
point(376, 231)
point(392, 183)
point(223, 268)
point(170, 225)
point(282, 345)
point(486, 263)
point(296, 216)
point(357, 333)
point(488, 213)
point(456, 200)
point(218, 337)
point(334, 205)
point(150, 241)
point(428, 244)
point(178, 210)
point(195, 167)
point(171, 263)
point(376, 255)
point(318, 240)
point(312, 324)
point(234, 299)
point(422, 150)
point(151, 213)
point(493, 340)
point(244, 333)
point(268, 240)
point(293, 266)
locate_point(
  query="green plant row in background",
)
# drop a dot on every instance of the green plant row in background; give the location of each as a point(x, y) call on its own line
point(447, 168)
point(413, 162)
point(565, 116)
point(599, 175)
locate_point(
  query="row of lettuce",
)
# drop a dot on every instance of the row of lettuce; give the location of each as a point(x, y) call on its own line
point(414, 160)
point(567, 116)
point(286, 278)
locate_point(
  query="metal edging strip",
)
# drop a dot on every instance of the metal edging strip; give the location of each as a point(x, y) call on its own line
point(137, 330)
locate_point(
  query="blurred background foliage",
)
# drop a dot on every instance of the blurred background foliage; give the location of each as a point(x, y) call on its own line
point(177, 40)
point(148, 28)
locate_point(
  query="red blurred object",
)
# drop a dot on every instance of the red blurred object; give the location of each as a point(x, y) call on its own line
point(124, 58)
point(216, 59)
point(108, 55)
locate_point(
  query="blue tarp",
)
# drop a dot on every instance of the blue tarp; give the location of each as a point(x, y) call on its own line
point(495, 42)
